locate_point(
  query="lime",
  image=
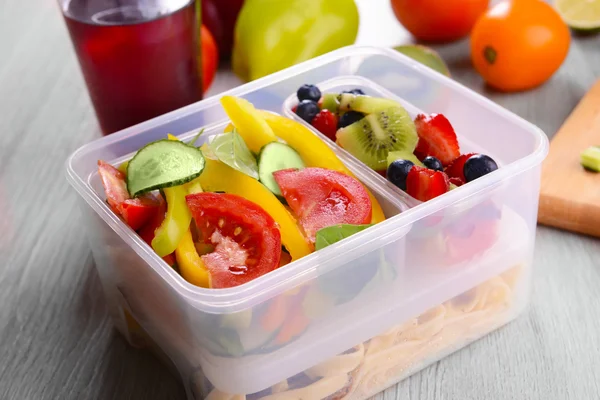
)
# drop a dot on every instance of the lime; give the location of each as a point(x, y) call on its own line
point(425, 56)
point(580, 14)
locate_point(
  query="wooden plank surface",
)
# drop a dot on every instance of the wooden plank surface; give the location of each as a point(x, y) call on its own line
point(570, 195)
point(56, 341)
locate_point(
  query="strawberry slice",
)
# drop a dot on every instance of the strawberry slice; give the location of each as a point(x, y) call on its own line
point(425, 184)
point(456, 181)
point(326, 123)
point(456, 167)
point(436, 138)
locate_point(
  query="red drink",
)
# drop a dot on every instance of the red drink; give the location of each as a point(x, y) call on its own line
point(138, 60)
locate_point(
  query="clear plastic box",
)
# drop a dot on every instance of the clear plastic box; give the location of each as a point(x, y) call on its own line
point(358, 316)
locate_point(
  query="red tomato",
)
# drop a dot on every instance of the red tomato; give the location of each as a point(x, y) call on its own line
point(439, 20)
point(147, 231)
point(136, 212)
point(321, 197)
point(246, 240)
point(210, 58)
point(114, 184)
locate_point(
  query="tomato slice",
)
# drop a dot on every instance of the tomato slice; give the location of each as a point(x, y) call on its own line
point(136, 212)
point(320, 197)
point(114, 184)
point(246, 241)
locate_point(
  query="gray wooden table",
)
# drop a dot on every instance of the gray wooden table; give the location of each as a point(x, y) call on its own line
point(56, 341)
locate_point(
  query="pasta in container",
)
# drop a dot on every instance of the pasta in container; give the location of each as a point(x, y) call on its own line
point(370, 367)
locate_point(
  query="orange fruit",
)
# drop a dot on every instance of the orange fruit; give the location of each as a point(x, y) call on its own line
point(438, 20)
point(519, 44)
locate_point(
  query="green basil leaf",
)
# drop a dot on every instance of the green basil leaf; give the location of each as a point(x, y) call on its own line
point(333, 234)
point(193, 142)
point(231, 149)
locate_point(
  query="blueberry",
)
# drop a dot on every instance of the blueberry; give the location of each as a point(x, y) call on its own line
point(309, 92)
point(398, 171)
point(307, 110)
point(349, 118)
point(433, 163)
point(478, 166)
point(355, 91)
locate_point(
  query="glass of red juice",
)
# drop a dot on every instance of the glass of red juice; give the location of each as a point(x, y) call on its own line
point(139, 58)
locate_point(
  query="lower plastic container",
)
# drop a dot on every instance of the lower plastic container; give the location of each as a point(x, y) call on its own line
point(360, 315)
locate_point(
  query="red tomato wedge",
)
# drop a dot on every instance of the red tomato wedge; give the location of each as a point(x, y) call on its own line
point(114, 184)
point(136, 212)
point(246, 240)
point(147, 231)
point(321, 197)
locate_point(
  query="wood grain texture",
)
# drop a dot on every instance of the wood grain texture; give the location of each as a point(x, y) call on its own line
point(569, 195)
point(56, 341)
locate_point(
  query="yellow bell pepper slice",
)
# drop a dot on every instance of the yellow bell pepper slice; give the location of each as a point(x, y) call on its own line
point(176, 222)
point(190, 264)
point(248, 122)
point(218, 177)
point(314, 152)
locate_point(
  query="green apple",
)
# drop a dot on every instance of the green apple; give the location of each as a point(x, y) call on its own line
point(271, 35)
point(426, 56)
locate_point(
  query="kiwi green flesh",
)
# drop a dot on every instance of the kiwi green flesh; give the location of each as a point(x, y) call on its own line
point(330, 102)
point(373, 137)
point(403, 155)
point(364, 104)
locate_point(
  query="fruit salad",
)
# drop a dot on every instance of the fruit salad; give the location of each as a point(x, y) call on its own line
point(421, 156)
point(252, 199)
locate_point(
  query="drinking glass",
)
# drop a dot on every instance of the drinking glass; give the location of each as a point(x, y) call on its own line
point(139, 58)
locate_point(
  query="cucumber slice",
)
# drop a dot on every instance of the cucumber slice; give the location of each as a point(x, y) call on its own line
point(273, 157)
point(161, 164)
point(590, 158)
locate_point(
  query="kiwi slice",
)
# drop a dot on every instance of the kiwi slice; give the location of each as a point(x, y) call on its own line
point(330, 102)
point(403, 155)
point(364, 104)
point(373, 137)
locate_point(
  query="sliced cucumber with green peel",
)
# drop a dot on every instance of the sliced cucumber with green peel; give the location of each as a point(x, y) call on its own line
point(161, 164)
point(273, 157)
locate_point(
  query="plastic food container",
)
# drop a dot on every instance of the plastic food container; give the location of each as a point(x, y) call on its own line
point(358, 316)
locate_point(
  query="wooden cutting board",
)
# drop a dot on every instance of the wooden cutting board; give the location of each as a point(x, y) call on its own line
point(570, 195)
